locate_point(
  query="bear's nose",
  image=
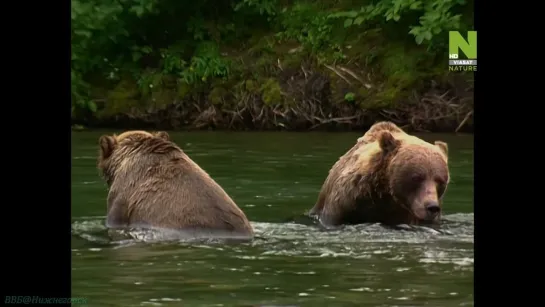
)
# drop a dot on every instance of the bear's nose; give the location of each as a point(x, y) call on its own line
point(433, 208)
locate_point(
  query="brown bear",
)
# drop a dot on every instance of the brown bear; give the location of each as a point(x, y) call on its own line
point(153, 183)
point(388, 177)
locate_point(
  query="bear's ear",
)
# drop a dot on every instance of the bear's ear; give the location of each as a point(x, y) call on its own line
point(163, 135)
point(107, 145)
point(443, 146)
point(387, 142)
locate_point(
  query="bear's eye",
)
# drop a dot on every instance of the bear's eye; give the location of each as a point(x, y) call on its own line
point(418, 178)
point(440, 181)
point(441, 186)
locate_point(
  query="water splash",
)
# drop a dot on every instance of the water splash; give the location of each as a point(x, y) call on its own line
point(291, 239)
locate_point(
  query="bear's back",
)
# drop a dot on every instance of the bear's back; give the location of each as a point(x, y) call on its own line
point(172, 191)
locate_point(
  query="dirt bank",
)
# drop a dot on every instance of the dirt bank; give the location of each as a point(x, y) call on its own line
point(295, 99)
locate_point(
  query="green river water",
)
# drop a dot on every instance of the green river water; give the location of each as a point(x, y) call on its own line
point(274, 177)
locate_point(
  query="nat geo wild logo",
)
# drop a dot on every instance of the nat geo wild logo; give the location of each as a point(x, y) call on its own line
point(456, 42)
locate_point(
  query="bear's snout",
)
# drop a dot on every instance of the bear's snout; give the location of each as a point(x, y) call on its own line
point(433, 209)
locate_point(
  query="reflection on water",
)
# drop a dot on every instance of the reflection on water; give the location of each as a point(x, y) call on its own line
point(273, 177)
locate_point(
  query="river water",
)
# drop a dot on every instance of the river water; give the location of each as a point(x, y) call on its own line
point(274, 177)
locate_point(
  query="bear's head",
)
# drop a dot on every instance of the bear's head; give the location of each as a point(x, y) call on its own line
point(116, 149)
point(417, 174)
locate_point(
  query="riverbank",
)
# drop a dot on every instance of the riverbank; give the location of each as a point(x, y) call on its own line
point(270, 65)
point(286, 91)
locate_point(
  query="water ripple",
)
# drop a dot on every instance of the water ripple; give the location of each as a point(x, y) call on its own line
point(453, 243)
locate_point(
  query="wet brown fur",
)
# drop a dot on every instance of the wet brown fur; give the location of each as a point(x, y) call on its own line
point(152, 182)
point(360, 188)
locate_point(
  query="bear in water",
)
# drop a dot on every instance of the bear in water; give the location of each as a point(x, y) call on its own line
point(388, 177)
point(153, 183)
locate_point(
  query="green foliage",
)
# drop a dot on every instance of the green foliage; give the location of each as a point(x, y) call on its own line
point(128, 51)
point(206, 63)
point(349, 97)
point(306, 24)
point(435, 16)
point(217, 95)
point(99, 27)
point(272, 92)
point(264, 7)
